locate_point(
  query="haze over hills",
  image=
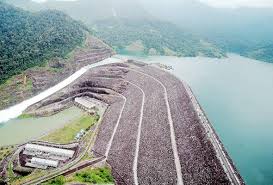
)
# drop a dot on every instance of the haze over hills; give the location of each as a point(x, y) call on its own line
point(244, 30)
point(90, 11)
point(152, 38)
point(133, 30)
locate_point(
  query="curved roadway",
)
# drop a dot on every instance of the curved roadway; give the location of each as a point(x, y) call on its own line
point(133, 150)
point(177, 166)
point(139, 136)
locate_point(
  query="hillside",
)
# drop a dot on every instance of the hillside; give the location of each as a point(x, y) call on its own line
point(38, 50)
point(129, 33)
point(152, 38)
point(245, 30)
point(30, 39)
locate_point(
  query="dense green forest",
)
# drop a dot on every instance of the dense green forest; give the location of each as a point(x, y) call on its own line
point(153, 38)
point(30, 39)
point(245, 31)
point(259, 50)
point(129, 28)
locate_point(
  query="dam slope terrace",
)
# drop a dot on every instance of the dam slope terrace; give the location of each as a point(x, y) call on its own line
point(153, 130)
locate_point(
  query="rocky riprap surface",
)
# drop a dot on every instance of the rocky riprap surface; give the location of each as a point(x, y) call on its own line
point(128, 119)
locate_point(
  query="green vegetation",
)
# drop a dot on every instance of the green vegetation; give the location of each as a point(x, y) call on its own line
point(11, 174)
point(90, 176)
point(14, 84)
point(5, 151)
point(60, 180)
point(23, 179)
point(152, 38)
point(67, 133)
point(25, 116)
point(20, 87)
point(2, 181)
point(30, 39)
point(259, 50)
point(96, 176)
point(86, 157)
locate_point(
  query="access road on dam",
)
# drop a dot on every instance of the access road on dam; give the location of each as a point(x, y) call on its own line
point(151, 132)
point(143, 145)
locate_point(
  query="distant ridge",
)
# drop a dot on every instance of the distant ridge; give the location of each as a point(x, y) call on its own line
point(152, 37)
point(131, 33)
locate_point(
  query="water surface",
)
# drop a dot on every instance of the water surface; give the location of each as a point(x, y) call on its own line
point(236, 94)
point(18, 130)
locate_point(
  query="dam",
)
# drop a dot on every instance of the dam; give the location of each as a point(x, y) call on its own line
point(153, 129)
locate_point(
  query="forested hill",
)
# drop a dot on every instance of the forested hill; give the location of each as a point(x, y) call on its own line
point(129, 28)
point(29, 39)
point(152, 37)
point(243, 30)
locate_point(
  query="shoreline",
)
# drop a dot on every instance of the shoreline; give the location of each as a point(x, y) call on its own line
point(212, 136)
point(17, 110)
point(220, 153)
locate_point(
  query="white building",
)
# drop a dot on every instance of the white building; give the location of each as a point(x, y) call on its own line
point(48, 152)
point(42, 163)
point(85, 103)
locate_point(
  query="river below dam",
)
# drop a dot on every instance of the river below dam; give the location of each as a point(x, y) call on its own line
point(236, 94)
point(21, 130)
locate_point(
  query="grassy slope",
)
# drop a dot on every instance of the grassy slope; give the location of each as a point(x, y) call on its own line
point(86, 176)
point(68, 132)
point(5, 151)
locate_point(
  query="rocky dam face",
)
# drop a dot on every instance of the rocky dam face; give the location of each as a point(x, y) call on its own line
point(153, 130)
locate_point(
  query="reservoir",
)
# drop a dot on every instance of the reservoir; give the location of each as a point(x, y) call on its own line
point(237, 95)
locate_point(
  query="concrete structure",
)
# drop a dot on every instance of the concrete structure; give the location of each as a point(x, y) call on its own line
point(42, 163)
point(52, 153)
point(29, 164)
point(90, 105)
point(85, 103)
